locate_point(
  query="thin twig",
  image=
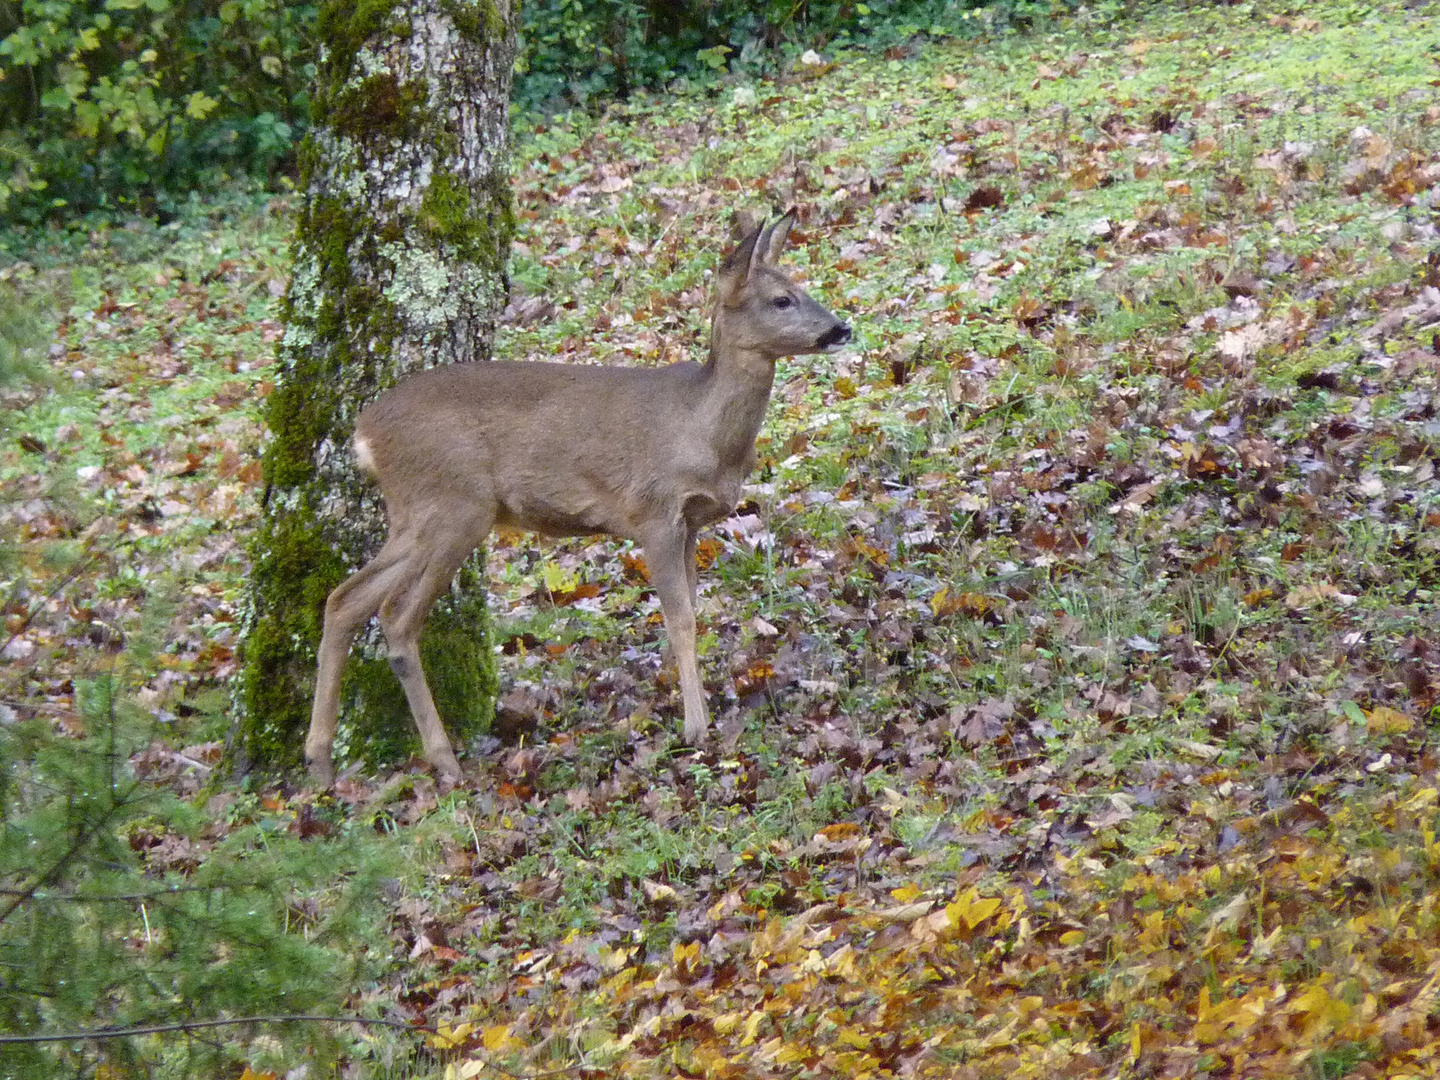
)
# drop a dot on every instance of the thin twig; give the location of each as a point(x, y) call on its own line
point(126, 898)
point(197, 1025)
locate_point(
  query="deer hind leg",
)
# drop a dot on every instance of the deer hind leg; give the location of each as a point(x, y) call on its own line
point(346, 610)
point(692, 537)
point(667, 554)
point(402, 617)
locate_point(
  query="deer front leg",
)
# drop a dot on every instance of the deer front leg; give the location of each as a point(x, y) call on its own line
point(434, 743)
point(666, 556)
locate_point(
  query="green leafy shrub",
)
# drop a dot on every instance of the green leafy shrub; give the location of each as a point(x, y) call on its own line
point(122, 100)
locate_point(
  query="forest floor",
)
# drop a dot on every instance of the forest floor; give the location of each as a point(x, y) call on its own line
point(1074, 651)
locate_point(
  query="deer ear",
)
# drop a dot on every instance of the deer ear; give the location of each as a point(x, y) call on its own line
point(735, 270)
point(775, 238)
point(760, 256)
point(772, 240)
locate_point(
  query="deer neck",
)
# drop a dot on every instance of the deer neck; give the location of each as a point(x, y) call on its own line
point(735, 391)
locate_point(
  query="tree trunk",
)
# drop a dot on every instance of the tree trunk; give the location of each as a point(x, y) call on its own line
point(399, 264)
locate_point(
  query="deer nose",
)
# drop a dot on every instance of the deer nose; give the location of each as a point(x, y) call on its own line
point(836, 335)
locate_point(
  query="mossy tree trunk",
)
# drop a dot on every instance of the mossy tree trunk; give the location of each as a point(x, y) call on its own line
point(398, 264)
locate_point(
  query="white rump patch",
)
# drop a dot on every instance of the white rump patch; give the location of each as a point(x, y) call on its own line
point(363, 455)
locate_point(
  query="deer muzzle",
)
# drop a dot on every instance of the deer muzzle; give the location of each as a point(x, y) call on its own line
point(833, 338)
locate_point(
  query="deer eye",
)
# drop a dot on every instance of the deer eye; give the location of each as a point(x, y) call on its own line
point(782, 301)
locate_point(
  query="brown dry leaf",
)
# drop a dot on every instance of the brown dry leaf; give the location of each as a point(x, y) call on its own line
point(985, 197)
point(565, 597)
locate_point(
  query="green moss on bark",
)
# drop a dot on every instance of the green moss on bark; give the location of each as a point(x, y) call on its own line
point(346, 26)
point(478, 20)
point(380, 107)
point(478, 233)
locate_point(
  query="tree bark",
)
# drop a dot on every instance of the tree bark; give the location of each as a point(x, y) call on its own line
point(398, 264)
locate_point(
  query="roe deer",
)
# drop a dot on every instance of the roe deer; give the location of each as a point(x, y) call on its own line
point(647, 454)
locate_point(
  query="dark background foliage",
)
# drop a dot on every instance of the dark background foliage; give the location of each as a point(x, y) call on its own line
point(122, 105)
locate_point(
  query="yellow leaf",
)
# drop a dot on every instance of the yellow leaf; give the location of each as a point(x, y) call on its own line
point(752, 1025)
point(725, 1024)
point(613, 960)
point(1323, 1012)
point(199, 105)
point(905, 893)
point(1420, 800)
point(972, 909)
point(498, 1038)
point(1072, 937)
point(857, 1039)
point(1383, 720)
point(1153, 934)
point(447, 1037)
point(842, 963)
point(789, 1054)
